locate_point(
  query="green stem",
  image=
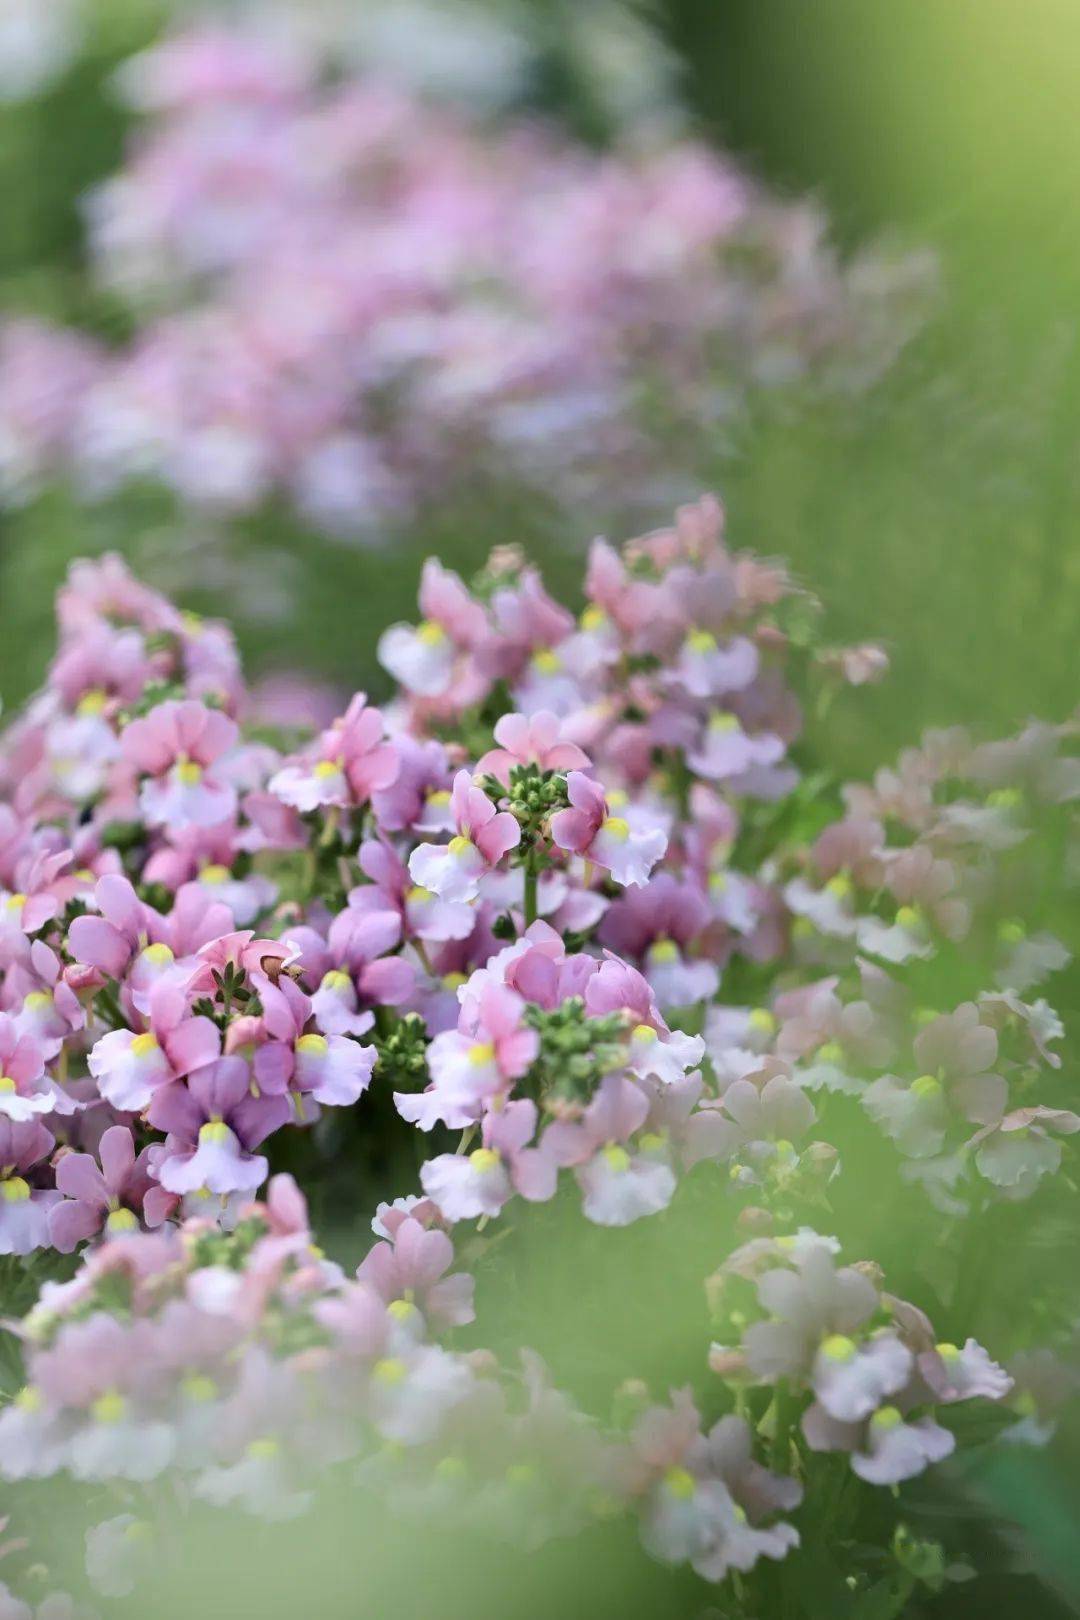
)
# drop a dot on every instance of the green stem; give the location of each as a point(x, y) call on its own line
point(530, 889)
point(781, 1443)
point(109, 1005)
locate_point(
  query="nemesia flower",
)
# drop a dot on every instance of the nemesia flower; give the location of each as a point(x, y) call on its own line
point(24, 1207)
point(480, 1183)
point(530, 741)
point(24, 1089)
point(178, 996)
point(587, 829)
point(178, 749)
point(130, 1066)
point(352, 761)
point(299, 1063)
point(620, 1181)
point(484, 835)
point(886, 1449)
point(109, 1198)
point(214, 1121)
point(705, 1494)
point(408, 1271)
point(473, 1065)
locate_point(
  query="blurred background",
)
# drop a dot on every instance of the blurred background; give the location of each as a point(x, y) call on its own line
point(922, 478)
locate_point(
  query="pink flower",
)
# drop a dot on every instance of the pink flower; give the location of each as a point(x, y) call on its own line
point(213, 1122)
point(178, 748)
point(620, 1182)
point(50, 1011)
point(530, 741)
point(422, 657)
point(109, 1198)
point(408, 1272)
point(24, 1208)
point(110, 940)
point(331, 1069)
point(466, 1186)
point(471, 1065)
point(130, 1066)
point(25, 1090)
point(351, 761)
point(484, 835)
point(588, 829)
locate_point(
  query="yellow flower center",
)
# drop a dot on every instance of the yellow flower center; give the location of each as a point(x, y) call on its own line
point(14, 1190)
point(337, 981)
point(439, 799)
point(680, 1483)
point(430, 633)
point(718, 882)
point(484, 1159)
point(948, 1352)
point(831, 1052)
point(722, 722)
point(109, 1408)
point(593, 618)
point(644, 1032)
point(909, 917)
point(325, 768)
point(418, 895)
point(215, 1130)
point(15, 902)
point(7, 1084)
point(653, 1141)
point(762, 1021)
point(264, 1450)
point(402, 1310)
point(390, 1370)
point(481, 1054)
point(142, 1045)
point(121, 1220)
point(159, 955)
point(617, 1157)
point(188, 771)
point(316, 1044)
point(701, 641)
point(664, 950)
point(92, 702)
point(214, 873)
point(616, 827)
point(29, 1399)
point(197, 1387)
point(838, 1347)
point(886, 1418)
point(459, 845)
point(926, 1086)
point(840, 886)
point(452, 981)
point(546, 662)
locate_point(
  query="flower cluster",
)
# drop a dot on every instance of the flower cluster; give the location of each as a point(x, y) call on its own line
point(343, 295)
point(566, 915)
